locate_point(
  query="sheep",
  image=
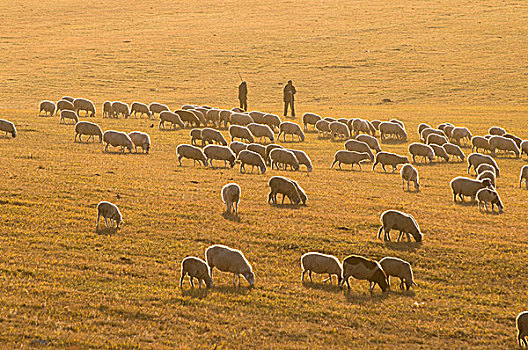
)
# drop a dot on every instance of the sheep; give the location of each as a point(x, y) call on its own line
point(88, 128)
point(187, 107)
point(371, 141)
point(213, 116)
point(398, 268)
point(420, 150)
point(289, 128)
point(68, 98)
point(8, 127)
point(515, 139)
point(448, 130)
point(503, 144)
point(339, 129)
point(200, 113)
point(284, 186)
point(141, 108)
point(63, 105)
point(82, 104)
point(117, 139)
point(475, 159)
point(387, 158)
point(109, 211)
point(282, 156)
point(362, 268)
point(440, 152)
point(460, 133)
point(273, 121)
point(237, 147)
point(190, 152)
point(487, 175)
point(329, 119)
point(300, 190)
point(480, 142)
point(410, 174)
point(261, 131)
point(140, 139)
point(211, 135)
point(251, 158)
point(310, 118)
point(359, 146)
point(496, 130)
point(118, 108)
point(436, 140)
point(231, 260)
point(237, 110)
point(345, 121)
point(376, 123)
point(464, 186)
point(48, 107)
point(216, 152)
point(188, 117)
point(170, 117)
point(196, 135)
point(389, 128)
point(260, 149)
point(155, 107)
point(485, 167)
point(67, 114)
point(270, 148)
point(487, 195)
point(231, 197)
point(524, 147)
point(398, 122)
point(423, 126)
point(524, 176)
point(196, 268)
point(302, 158)
point(454, 150)
point(428, 131)
point(522, 329)
point(361, 125)
point(321, 264)
point(258, 117)
point(322, 126)
point(349, 157)
point(107, 109)
point(242, 119)
point(241, 132)
point(225, 117)
point(397, 220)
point(444, 125)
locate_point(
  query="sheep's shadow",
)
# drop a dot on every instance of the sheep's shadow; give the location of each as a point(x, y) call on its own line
point(411, 191)
point(242, 290)
point(116, 152)
point(368, 297)
point(494, 212)
point(195, 293)
point(290, 141)
point(106, 231)
point(230, 216)
point(286, 206)
point(401, 292)
point(403, 245)
point(327, 287)
point(393, 142)
point(349, 170)
point(466, 204)
point(93, 142)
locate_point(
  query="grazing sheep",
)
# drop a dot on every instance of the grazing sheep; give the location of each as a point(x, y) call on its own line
point(273, 121)
point(487, 195)
point(398, 122)
point(503, 144)
point(440, 152)
point(480, 142)
point(300, 190)
point(241, 132)
point(213, 116)
point(321, 264)
point(196, 135)
point(524, 176)
point(8, 127)
point(392, 129)
point(48, 107)
point(188, 117)
point(371, 141)
point(260, 149)
point(190, 152)
point(270, 148)
point(284, 186)
point(141, 108)
point(454, 150)
point(359, 146)
point(436, 140)
point(109, 211)
point(237, 110)
point(361, 125)
point(339, 129)
point(398, 268)
point(376, 123)
point(524, 147)
point(362, 268)
point(140, 139)
point(68, 98)
point(485, 167)
point(410, 174)
point(231, 197)
point(211, 136)
point(496, 130)
point(464, 186)
point(231, 260)
point(225, 117)
point(117, 139)
point(64, 105)
point(392, 159)
point(397, 220)
point(82, 104)
point(475, 159)
point(88, 128)
point(289, 128)
point(310, 118)
point(107, 109)
point(67, 114)
point(118, 108)
point(349, 157)
point(237, 147)
point(216, 152)
point(322, 126)
point(187, 107)
point(280, 156)
point(420, 150)
point(448, 130)
point(423, 126)
point(251, 158)
point(261, 131)
point(487, 175)
point(170, 117)
point(196, 268)
point(428, 131)
point(515, 139)
point(200, 113)
point(155, 107)
point(258, 117)
point(460, 133)
point(242, 119)
point(302, 158)
point(522, 329)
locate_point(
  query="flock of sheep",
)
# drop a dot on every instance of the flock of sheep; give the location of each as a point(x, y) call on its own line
point(360, 145)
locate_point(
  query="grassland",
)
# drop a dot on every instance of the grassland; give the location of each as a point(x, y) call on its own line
point(64, 285)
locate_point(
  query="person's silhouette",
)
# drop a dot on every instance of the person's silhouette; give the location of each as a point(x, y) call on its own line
point(289, 98)
point(242, 95)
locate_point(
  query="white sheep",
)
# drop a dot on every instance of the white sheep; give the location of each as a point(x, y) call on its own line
point(260, 149)
point(302, 158)
point(196, 268)
point(524, 176)
point(424, 134)
point(241, 132)
point(122, 108)
point(200, 113)
point(88, 128)
point(213, 116)
point(392, 159)
point(141, 108)
point(423, 126)
point(515, 139)
point(359, 146)
point(117, 139)
point(460, 133)
point(289, 128)
point(399, 122)
point(82, 104)
point(261, 131)
point(389, 128)
point(8, 127)
point(284, 186)
point(48, 107)
point(322, 126)
point(321, 264)
point(242, 119)
point(225, 118)
point(216, 152)
point(410, 174)
point(63, 104)
point(522, 329)
point(107, 109)
point(280, 156)
point(231, 260)
point(454, 150)
point(140, 139)
point(190, 152)
point(170, 117)
point(231, 197)
point(479, 142)
point(211, 136)
point(496, 130)
point(349, 157)
point(310, 118)
point(270, 148)
point(475, 159)
point(339, 129)
point(237, 147)
point(371, 141)
point(360, 125)
point(257, 116)
point(300, 190)
point(420, 150)
point(503, 144)
point(397, 220)
point(398, 268)
point(251, 158)
point(109, 211)
point(155, 107)
point(68, 98)
point(188, 117)
point(436, 139)
point(376, 123)
point(272, 120)
point(67, 114)
point(196, 135)
point(440, 152)
point(362, 268)
point(488, 195)
point(464, 186)
point(524, 147)
point(485, 167)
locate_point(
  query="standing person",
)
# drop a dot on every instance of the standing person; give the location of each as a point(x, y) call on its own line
point(242, 95)
point(289, 99)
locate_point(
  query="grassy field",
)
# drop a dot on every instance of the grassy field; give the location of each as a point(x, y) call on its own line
point(62, 284)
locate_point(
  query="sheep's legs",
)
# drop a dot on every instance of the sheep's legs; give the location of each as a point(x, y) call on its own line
point(106, 221)
point(192, 283)
point(98, 217)
point(181, 280)
point(310, 275)
point(302, 276)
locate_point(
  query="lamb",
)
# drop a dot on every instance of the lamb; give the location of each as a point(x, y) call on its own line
point(241, 132)
point(371, 141)
point(310, 118)
point(82, 104)
point(140, 139)
point(436, 139)
point(387, 158)
point(524, 147)
point(107, 109)
point(8, 127)
point(503, 144)
point(284, 186)
point(196, 268)
point(464, 186)
point(321, 264)
point(440, 152)
point(410, 174)
point(67, 114)
point(170, 117)
point(63, 105)
point(225, 117)
point(196, 135)
point(362, 268)
point(322, 126)
point(273, 121)
point(423, 126)
point(349, 157)
point(485, 167)
point(496, 130)
point(397, 220)
point(119, 107)
point(260, 149)
point(339, 129)
point(155, 107)
point(515, 139)
point(454, 150)
point(302, 158)
point(216, 152)
point(109, 211)
point(258, 117)
point(480, 142)
point(190, 152)
point(237, 147)
point(188, 117)
point(524, 176)
point(460, 133)
point(420, 150)
point(428, 131)
point(251, 158)
point(289, 128)
point(231, 260)
point(282, 156)
point(270, 148)
point(87, 128)
point(487, 195)
point(241, 119)
point(141, 108)
point(231, 197)
point(487, 175)
point(48, 107)
point(359, 146)
point(117, 139)
point(261, 131)
point(68, 98)
point(213, 116)
point(475, 159)
point(389, 128)
point(398, 268)
point(522, 329)
point(211, 135)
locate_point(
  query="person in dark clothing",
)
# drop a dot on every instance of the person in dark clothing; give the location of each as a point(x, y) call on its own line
point(289, 92)
point(242, 95)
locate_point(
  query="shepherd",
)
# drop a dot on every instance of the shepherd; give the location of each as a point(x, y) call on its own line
point(289, 99)
point(242, 95)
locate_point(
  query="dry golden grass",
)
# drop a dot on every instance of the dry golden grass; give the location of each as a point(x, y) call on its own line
point(62, 284)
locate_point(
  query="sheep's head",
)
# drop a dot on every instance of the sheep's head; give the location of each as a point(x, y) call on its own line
point(250, 277)
point(381, 279)
point(487, 183)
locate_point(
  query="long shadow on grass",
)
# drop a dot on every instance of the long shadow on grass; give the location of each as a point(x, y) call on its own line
point(403, 246)
point(230, 216)
point(327, 287)
point(287, 206)
point(365, 297)
point(195, 293)
point(106, 231)
point(230, 289)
